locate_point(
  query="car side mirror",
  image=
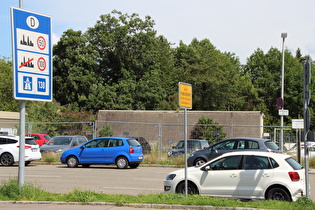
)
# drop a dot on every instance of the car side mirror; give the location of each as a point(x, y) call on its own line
point(206, 168)
point(82, 147)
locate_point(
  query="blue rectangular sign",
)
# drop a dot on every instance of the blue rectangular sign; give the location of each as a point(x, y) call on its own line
point(32, 55)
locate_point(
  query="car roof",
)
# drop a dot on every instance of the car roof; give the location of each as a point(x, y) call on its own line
point(194, 140)
point(15, 137)
point(247, 138)
point(269, 154)
point(112, 137)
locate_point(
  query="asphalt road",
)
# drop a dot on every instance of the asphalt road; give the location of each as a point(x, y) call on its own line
point(103, 179)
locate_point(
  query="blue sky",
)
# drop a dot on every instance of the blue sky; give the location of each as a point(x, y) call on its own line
point(236, 26)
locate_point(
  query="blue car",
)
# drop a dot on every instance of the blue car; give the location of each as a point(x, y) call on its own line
point(122, 152)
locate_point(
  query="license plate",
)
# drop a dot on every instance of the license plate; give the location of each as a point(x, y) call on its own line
point(140, 157)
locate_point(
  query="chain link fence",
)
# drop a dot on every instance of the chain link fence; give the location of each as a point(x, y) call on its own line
point(161, 137)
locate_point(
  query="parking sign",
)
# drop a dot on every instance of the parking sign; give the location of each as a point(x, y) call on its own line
point(32, 57)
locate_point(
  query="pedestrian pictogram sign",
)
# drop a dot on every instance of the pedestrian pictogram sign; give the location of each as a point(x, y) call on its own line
point(185, 95)
point(32, 57)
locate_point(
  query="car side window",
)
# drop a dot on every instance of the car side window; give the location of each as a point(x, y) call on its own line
point(253, 162)
point(96, 143)
point(7, 141)
point(112, 143)
point(226, 145)
point(252, 145)
point(241, 144)
point(274, 163)
point(226, 163)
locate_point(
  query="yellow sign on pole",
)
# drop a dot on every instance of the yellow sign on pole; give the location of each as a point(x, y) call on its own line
point(185, 95)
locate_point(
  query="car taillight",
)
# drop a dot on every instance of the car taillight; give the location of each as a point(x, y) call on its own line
point(131, 150)
point(26, 147)
point(294, 176)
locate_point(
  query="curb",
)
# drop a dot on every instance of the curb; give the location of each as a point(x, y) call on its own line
point(132, 205)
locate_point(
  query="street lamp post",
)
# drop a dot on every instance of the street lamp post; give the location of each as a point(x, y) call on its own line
point(283, 36)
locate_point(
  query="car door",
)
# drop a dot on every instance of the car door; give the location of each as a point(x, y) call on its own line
point(94, 151)
point(221, 177)
point(113, 148)
point(221, 148)
point(256, 175)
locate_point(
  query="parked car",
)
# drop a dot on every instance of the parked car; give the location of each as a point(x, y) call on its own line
point(121, 151)
point(9, 150)
point(200, 157)
point(60, 143)
point(40, 138)
point(192, 145)
point(146, 148)
point(245, 175)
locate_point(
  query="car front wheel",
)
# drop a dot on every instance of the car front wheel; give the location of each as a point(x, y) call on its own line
point(7, 159)
point(199, 162)
point(121, 162)
point(72, 162)
point(278, 194)
point(191, 190)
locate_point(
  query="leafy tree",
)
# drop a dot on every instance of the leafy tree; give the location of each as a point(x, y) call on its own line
point(106, 130)
point(7, 101)
point(207, 129)
point(215, 76)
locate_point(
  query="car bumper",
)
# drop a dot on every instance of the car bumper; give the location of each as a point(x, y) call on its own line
point(169, 186)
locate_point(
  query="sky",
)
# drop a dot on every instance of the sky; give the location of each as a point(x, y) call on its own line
point(235, 26)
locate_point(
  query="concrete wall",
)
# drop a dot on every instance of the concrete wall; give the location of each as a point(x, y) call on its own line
point(168, 125)
point(9, 121)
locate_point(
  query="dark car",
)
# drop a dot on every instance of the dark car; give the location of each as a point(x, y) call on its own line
point(200, 157)
point(146, 148)
point(60, 143)
point(192, 145)
point(121, 151)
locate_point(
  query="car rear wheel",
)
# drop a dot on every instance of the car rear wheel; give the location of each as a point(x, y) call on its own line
point(72, 162)
point(121, 162)
point(278, 194)
point(27, 163)
point(191, 190)
point(200, 161)
point(7, 159)
point(135, 165)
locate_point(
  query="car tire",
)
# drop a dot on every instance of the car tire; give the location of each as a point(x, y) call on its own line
point(7, 159)
point(27, 163)
point(191, 190)
point(121, 162)
point(135, 165)
point(199, 162)
point(279, 194)
point(72, 162)
point(85, 165)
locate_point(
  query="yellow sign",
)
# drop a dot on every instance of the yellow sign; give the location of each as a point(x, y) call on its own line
point(185, 95)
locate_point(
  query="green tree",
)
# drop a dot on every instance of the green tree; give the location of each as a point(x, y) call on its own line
point(106, 130)
point(215, 76)
point(207, 129)
point(7, 101)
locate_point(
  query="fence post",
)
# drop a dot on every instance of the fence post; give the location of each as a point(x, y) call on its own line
point(160, 141)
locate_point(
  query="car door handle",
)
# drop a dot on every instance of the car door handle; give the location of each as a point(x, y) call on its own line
point(233, 175)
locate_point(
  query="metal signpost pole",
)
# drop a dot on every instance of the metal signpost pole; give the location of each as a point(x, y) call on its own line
point(283, 36)
point(185, 102)
point(32, 65)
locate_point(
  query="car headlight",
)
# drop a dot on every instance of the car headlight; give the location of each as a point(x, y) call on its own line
point(59, 151)
point(170, 176)
point(191, 155)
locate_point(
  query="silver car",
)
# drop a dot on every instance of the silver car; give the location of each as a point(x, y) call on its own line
point(59, 144)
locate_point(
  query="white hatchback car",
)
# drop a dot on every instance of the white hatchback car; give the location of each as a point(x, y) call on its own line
point(9, 150)
point(246, 175)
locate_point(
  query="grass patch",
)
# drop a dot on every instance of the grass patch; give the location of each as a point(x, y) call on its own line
point(10, 191)
point(50, 157)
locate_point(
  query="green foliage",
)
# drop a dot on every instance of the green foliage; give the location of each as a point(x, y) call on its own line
point(7, 102)
point(207, 129)
point(106, 130)
point(11, 191)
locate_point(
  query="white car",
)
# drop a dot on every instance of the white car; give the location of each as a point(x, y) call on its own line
point(9, 150)
point(246, 175)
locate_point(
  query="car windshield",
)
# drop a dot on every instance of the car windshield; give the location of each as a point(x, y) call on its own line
point(60, 140)
point(47, 137)
point(133, 142)
point(271, 145)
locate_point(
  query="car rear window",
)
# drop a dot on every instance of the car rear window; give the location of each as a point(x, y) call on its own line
point(30, 141)
point(133, 142)
point(271, 145)
point(295, 165)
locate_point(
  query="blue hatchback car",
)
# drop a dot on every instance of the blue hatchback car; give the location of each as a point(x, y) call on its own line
point(121, 151)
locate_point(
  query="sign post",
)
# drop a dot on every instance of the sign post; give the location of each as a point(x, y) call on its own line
point(32, 65)
point(185, 102)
